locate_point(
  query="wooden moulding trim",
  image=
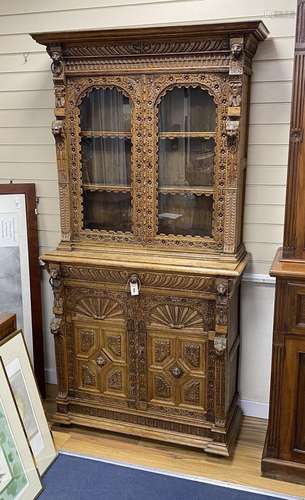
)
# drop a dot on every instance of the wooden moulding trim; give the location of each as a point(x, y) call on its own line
point(69, 38)
point(216, 268)
point(287, 268)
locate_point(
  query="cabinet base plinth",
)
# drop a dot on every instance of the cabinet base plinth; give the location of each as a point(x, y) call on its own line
point(283, 470)
point(216, 442)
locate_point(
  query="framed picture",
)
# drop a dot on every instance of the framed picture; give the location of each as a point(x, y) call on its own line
point(20, 273)
point(19, 478)
point(23, 385)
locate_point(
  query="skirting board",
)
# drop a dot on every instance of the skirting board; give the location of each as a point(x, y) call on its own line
point(254, 408)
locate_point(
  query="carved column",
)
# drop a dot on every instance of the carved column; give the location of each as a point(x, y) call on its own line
point(220, 347)
point(58, 329)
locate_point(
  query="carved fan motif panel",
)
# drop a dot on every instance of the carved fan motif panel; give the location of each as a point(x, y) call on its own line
point(101, 358)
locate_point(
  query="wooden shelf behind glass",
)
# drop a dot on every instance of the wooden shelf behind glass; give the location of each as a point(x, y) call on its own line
point(115, 188)
point(184, 134)
point(106, 133)
point(198, 190)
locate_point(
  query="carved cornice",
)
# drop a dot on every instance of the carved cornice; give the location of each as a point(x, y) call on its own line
point(199, 31)
point(145, 47)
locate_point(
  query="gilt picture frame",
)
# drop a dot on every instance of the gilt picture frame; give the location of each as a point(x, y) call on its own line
point(19, 478)
point(19, 371)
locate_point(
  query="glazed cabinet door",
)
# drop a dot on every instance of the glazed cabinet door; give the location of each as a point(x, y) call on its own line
point(100, 340)
point(106, 158)
point(292, 438)
point(187, 180)
point(175, 381)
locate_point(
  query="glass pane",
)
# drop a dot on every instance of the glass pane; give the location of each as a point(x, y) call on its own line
point(187, 109)
point(105, 121)
point(185, 214)
point(187, 121)
point(106, 160)
point(186, 162)
point(105, 110)
point(108, 211)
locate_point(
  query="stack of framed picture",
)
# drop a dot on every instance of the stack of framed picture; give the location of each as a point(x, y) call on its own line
point(26, 445)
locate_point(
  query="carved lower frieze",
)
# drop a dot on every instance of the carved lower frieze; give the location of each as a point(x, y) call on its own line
point(140, 420)
point(148, 279)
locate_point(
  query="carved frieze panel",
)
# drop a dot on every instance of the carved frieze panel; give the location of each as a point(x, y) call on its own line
point(174, 281)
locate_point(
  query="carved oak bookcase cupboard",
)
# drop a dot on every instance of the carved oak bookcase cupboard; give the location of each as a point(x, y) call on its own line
point(151, 139)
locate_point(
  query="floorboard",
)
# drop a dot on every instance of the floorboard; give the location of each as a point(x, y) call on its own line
point(243, 468)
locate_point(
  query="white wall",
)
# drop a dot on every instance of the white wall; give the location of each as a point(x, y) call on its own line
point(27, 151)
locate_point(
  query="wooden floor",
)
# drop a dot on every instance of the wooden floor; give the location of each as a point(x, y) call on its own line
point(243, 468)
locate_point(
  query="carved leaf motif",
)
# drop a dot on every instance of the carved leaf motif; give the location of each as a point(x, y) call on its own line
point(162, 388)
point(98, 308)
point(192, 392)
point(114, 344)
point(115, 380)
point(86, 340)
point(176, 316)
point(162, 350)
point(191, 353)
point(88, 377)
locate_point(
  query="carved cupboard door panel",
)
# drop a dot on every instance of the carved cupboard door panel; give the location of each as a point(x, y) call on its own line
point(100, 343)
point(177, 350)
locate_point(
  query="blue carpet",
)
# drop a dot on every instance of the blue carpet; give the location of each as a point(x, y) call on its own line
point(74, 478)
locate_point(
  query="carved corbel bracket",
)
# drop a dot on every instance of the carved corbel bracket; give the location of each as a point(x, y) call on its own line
point(237, 56)
point(222, 304)
point(57, 65)
point(56, 283)
point(58, 129)
point(220, 344)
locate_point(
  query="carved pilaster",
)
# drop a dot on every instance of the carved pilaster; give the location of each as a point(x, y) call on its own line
point(59, 132)
point(274, 414)
point(58, 329)
point(220, 348)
